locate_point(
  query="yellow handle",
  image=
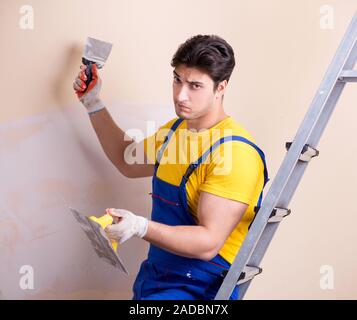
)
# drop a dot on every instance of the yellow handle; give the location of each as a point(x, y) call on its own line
point(104, 221)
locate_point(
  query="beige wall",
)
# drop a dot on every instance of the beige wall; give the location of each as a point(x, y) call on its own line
point(50, 157)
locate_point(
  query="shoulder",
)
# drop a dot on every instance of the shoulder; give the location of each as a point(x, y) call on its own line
point(168, 124)
point(236, 168)
point(164, 127)
point(152, 143)
point(238, 130)
point(237, 147)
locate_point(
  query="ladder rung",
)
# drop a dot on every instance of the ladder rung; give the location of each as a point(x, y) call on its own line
point(278, 214)
point(249, 272)
point(348, 76)
point(307, 152)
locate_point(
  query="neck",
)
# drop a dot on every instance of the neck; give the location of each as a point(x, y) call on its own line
point(206, 121)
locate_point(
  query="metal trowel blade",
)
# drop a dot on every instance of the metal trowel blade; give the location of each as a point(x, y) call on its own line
point(99, 240)
point(97, 51)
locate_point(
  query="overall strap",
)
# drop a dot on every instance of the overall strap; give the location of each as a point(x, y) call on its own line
point(166, 141)
point(195, 164)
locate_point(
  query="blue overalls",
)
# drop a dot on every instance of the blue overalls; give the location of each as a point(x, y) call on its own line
point(164, 275)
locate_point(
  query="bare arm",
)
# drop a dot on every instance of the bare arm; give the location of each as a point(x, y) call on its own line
point(114, 141)
point(217, 219)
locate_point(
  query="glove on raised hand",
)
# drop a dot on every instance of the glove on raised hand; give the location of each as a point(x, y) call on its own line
point(90, 97)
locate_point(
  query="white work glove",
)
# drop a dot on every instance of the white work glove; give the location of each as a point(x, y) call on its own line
point(90, 98)
point(127, 225)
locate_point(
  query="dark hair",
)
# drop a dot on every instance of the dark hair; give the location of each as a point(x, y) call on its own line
point(209, 53)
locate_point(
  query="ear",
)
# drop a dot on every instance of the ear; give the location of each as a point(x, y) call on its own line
point(221, 88)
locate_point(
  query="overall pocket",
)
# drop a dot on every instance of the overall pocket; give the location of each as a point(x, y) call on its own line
point(156, 196)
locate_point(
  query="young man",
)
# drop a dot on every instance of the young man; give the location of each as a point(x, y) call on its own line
point(208, 176)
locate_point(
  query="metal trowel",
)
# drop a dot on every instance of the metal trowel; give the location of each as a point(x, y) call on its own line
point(103, 246)
point(95, 52)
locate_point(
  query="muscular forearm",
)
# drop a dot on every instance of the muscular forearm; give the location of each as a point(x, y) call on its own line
point(188, 241)
point(111, 137)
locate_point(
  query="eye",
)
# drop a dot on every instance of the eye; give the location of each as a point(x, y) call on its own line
point(195, 86)
point(176, 79)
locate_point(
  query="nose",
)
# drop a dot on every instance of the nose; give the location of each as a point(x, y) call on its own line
point(182, 94)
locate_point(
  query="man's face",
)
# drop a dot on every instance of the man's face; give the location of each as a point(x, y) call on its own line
point(193, 93)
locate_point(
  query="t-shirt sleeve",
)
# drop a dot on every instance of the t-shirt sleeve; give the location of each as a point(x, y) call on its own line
point(152, 143)
point(235, 172)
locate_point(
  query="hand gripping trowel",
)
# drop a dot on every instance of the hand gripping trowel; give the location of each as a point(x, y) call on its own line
point(95, 52)
point(94, 229)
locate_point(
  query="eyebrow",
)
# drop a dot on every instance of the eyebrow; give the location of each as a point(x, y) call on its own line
point(190, 82)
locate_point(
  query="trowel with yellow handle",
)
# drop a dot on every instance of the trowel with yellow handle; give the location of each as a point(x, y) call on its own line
point(104, 221)
point(103, 246)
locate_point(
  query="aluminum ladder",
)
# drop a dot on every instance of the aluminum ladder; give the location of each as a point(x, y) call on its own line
point(299, 152)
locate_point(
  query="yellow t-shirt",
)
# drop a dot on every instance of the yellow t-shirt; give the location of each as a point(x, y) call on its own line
point(234, 170)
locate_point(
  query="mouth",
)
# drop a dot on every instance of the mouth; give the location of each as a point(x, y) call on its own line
point(183, 108)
